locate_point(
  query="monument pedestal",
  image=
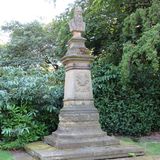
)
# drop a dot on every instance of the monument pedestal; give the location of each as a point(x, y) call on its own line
point(79, 129)
point(79, 120)
point(79, 135)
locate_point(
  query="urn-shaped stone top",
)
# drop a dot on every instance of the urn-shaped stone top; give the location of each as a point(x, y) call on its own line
point(77, 24)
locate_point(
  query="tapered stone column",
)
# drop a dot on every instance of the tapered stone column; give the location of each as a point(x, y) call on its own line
point(79, 135)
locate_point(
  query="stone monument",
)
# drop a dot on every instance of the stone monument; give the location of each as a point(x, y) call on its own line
point(79, 135)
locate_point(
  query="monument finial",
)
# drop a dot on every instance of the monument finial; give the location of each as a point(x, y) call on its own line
point(76, 24)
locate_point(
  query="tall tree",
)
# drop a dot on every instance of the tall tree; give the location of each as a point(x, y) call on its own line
point(29, 43)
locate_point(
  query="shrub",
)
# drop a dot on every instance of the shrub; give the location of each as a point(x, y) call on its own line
point(30, 101)
point(19, 126)
point(131, 110)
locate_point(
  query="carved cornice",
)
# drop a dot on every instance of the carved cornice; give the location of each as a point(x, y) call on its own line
point(80, 62)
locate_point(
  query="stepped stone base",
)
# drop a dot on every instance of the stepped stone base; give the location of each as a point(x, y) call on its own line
point(42, 151)
point(79, 128)
point(84, 142)
point(79, 137)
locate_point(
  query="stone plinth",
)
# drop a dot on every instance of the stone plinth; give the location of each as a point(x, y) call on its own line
point(42, 151)
point(79, 135)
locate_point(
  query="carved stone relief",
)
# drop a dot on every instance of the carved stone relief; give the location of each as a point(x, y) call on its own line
point(82, 82)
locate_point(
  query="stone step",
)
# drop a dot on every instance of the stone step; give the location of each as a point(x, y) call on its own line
point(86, 153)
point(72, 143)
point(79, 135)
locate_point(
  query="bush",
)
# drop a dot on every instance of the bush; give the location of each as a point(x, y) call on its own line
point(30, 101)
point(19, 126)
point(125, 110)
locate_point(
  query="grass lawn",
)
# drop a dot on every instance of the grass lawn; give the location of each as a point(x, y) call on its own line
point(151, 148)
point(5, 155)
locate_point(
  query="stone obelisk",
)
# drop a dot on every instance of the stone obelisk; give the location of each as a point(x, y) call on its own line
point(79, 135)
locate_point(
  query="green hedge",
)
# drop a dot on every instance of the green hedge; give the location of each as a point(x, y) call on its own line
point(126, 110)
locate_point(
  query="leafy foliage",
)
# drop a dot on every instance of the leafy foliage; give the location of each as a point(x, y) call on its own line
point(30, 43)
point(124, 36)
point(132, 111)
point(127, 95)
point(18, 126)
point(142, 32)
point(142, 55)
point(28, 109)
